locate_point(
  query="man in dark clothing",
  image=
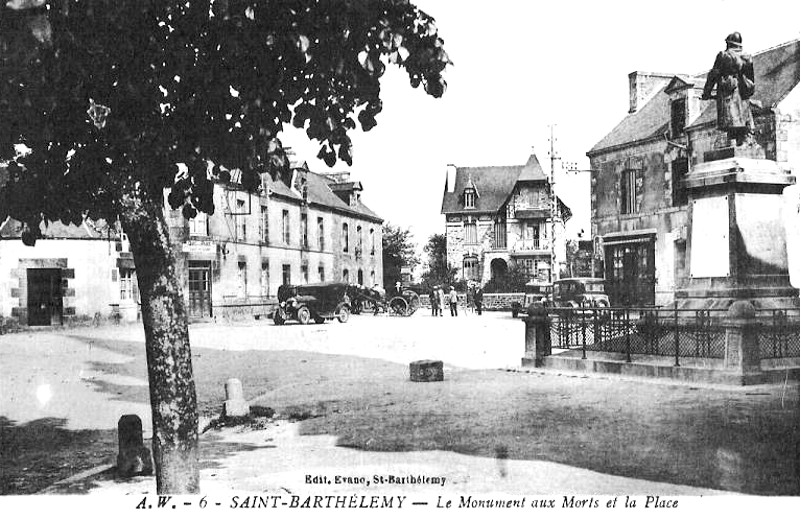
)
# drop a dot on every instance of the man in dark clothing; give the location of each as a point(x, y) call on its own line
point(478, 298)
point(733, 74)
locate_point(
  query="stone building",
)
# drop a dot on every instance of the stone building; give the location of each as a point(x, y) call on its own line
point(499, 217)
point(639, 200)
point(306, 228)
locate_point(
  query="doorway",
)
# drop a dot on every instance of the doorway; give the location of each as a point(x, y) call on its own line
point(45, 302)
point(199, 289)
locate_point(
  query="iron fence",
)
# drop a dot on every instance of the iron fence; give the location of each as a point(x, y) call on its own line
point(667, 332)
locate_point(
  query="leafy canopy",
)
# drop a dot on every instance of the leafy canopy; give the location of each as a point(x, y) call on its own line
point(398, 251)
point(103, 98)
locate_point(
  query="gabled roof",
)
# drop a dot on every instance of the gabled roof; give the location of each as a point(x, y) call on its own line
point(494, 183)
point(679, 82)
point(321, 192)
point(776, 74)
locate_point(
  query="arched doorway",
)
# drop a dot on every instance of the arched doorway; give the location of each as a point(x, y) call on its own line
point(498, 268)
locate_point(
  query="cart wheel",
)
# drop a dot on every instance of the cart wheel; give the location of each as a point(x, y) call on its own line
point(304, 315)
point(398, 305)
point(343, 314)
point(278, 318)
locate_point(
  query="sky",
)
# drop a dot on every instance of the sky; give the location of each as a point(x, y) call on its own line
point(520, 66)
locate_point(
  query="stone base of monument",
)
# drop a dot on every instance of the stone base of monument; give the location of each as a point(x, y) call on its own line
point(426, 371)
point(737, 242)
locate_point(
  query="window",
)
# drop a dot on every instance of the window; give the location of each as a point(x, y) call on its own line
point(360, 277)
point(285, 226)
point(372, 242)
point(243, 278)
point(628, 192)
point(320, 233)
point(679, 168)
point(304, 273)
point(359, 241)
point(346, 276)
point(126, 284)
point(469, 198)
point(471, 268)
point(286, 277)
point(264, 280)
point(499, 232)
point(241, 224)
point(678, 116)
point(265, 224)
point(528, 266)
point(199, 225)
point(470, 233)
point(304, 231)
point(321, 273)
point(345, 238)
point(372, 278)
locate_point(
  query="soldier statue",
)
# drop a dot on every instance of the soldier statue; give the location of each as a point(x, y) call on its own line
point(733, 74)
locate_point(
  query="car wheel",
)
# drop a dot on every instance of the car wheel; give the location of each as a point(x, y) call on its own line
point(319, 320)
point(304, 315)
point(343, 314)
point(278, 318)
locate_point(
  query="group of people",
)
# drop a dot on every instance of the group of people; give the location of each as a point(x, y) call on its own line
point(439, 298)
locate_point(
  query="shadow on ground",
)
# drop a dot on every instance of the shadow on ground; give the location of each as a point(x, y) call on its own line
point(39, 453)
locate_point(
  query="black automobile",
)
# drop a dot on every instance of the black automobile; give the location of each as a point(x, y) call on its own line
point(535, 293)
point(318, 302)
point(579, 293)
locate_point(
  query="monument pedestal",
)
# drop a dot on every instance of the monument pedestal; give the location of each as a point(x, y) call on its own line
point(737, 247)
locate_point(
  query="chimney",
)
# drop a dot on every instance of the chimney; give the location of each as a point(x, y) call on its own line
point(450, 178)
point(643, 86)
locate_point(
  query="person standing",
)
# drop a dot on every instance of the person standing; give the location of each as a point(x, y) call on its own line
point(453, 299)
point(440, 299)
point(478, 298)
point(434, 300)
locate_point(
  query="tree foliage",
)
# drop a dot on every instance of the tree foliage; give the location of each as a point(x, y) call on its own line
point(105, 105)
point(438, 271)
point(398, 251)
point(514, 280)
point(109, 95)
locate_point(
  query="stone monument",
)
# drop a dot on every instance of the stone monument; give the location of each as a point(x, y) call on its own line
point(737, 247)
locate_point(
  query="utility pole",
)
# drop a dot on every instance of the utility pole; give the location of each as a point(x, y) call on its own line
point(554, 208)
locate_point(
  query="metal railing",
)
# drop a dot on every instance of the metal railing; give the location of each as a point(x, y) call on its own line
point(667, 332)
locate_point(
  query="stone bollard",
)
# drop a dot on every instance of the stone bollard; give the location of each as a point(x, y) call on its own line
point(742, 344)
point(426, 371)
point(133, 458)
point(235, 404)
point(538, 335)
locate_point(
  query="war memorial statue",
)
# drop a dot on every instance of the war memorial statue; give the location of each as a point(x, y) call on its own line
point(733, 75)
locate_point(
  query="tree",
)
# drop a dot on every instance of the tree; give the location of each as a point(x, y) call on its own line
point(397, 252)
point(438, 273)
point(514, 280)
point(106, 106)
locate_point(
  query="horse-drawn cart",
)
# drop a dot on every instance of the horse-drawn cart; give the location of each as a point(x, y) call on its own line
point(367, 300)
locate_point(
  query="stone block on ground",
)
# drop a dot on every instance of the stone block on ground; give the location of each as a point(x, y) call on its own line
point(133, 458)
point(235, 404)
point(426, 371)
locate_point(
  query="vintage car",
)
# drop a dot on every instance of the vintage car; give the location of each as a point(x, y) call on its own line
point(318, 302)
point(579, 293)
point(535, 293)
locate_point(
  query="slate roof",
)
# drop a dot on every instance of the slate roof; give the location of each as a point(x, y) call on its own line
point(493, 184)
point(776, 74)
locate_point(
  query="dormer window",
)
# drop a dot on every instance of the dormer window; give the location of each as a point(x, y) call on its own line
point(678, 116)
point(469, 198)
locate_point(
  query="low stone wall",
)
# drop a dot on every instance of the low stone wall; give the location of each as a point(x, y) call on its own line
point(492, 301)
point(243, 311)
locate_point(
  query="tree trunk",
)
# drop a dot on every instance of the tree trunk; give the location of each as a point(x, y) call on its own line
point(169, 360)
